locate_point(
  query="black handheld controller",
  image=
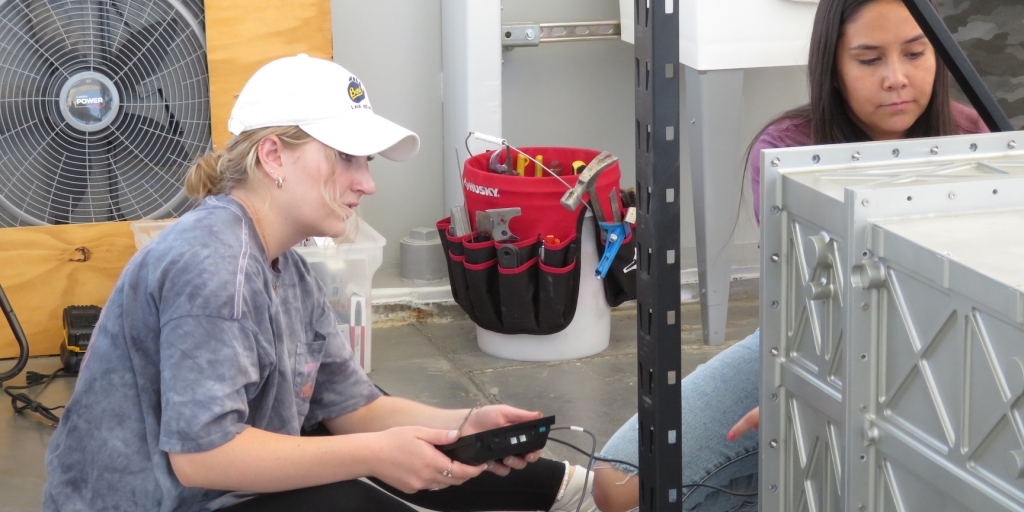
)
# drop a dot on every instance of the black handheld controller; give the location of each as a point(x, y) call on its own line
point(499, 443)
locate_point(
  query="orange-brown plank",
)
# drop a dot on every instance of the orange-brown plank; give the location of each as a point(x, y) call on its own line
point(35, 270)
point(40, 279)
point(243, 35)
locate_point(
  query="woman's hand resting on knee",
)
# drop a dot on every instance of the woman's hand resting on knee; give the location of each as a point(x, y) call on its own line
point(751, 420)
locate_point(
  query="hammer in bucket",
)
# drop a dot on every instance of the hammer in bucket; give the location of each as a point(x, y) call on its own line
point(587, 184)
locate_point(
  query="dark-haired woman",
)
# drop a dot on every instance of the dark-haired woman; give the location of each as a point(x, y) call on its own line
point(873, 76)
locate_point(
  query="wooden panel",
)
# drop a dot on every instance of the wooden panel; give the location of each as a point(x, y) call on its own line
point(243, 35)
point(36, 270)
point(42, 271)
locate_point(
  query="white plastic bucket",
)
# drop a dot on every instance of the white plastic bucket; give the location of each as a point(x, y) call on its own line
point(587, 334)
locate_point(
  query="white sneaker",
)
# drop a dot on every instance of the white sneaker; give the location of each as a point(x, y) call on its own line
point(568, 498)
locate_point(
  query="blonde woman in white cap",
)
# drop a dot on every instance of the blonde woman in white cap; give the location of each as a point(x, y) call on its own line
point(217, 346)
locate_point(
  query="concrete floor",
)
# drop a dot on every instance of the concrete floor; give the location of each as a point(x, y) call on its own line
point(436, 362)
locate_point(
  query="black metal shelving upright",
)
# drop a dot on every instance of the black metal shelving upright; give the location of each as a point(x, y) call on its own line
point(959, 65)
point(656, 38)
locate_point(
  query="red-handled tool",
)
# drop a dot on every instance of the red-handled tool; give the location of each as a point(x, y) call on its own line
point(357, 329)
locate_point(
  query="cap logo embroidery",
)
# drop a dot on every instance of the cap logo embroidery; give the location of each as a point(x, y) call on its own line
point(355, 90)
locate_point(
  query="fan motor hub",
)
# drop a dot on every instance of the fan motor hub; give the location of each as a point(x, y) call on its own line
point(89, 101)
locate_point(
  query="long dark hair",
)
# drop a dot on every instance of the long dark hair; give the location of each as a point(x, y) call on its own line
point(830, 119)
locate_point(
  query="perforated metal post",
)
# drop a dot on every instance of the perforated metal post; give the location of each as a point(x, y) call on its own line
point(657, 230)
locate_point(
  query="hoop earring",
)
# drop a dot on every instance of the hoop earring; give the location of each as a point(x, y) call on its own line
point(280, 182)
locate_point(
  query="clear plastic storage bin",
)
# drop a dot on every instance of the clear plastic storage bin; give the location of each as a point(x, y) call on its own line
point(147, 231)
point(346, 270)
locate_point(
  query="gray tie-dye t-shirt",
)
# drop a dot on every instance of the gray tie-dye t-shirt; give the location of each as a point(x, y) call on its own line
point(199, 340)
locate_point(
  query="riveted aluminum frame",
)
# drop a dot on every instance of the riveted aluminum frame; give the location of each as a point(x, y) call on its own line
point(827, 442)
point(945, 426)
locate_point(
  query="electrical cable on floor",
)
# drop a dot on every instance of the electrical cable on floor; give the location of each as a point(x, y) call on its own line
point(21, 402)
point(594, 457)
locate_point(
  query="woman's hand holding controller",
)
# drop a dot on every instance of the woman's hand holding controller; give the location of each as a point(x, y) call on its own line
point(409, 461)
point(496, 416)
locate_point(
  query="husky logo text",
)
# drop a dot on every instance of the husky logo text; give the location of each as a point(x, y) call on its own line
point(484, 191)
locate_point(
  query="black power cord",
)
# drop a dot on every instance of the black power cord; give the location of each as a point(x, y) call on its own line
point(21, 402)
point(594, 457)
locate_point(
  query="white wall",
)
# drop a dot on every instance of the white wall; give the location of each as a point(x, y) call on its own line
point(557, 94)
point(395, 49)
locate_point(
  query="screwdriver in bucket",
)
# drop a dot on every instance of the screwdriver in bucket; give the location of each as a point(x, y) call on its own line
point(504, 143)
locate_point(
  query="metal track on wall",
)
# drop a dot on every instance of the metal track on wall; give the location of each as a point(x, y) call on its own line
point(657, 230)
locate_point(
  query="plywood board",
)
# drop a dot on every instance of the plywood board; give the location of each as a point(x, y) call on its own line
point(44, 269)
point(243, 35)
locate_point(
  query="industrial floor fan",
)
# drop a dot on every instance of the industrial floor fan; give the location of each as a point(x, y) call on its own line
point(103, 105)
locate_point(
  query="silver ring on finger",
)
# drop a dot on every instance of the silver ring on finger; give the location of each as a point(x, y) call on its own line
point(448, 472)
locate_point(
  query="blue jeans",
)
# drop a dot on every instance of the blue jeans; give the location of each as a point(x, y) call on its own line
point(715, 396)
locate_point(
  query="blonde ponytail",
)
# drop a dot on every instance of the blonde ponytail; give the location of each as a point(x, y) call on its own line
point(220, 172)
point(202, 179)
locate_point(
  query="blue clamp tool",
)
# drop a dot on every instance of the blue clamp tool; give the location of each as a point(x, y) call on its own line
point(614, 235)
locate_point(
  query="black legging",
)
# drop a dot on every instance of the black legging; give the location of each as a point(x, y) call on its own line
point(531, 488)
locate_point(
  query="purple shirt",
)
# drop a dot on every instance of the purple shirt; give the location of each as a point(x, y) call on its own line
point(791, 133)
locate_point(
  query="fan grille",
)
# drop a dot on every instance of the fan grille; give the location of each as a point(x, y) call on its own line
point(103, 106)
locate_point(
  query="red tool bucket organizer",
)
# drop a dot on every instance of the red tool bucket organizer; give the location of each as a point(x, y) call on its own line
point(535, 297)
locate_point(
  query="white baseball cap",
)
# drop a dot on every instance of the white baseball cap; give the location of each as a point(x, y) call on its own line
point(326, 101)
